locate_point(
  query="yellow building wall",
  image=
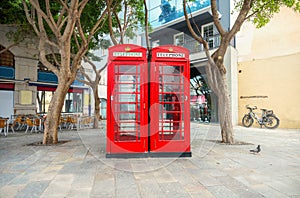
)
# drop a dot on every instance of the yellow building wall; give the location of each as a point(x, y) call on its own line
point(269, 68)
point(273, 84)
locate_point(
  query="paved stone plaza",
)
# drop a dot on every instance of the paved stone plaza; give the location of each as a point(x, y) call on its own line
point(78, 168)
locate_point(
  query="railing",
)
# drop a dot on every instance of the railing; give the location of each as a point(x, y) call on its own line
point(195, 47)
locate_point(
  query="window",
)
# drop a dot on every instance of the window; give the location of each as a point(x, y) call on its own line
point(73, 102)
point(6, 58)
point(179, 39)
point(209, 34)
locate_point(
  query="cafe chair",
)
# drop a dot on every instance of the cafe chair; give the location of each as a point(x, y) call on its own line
point(3, 126)
point(31, 124)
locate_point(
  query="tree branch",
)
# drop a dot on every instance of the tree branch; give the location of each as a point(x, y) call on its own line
point(80, 31)
point(215, 14)
point(64, 4)
point(211, 64)
point(61, 25)
point(49, 14)
point(85, 75)
point(55, 59)
point(146, 26)
point(73, 16)
point(93, 30)
point(126, 19)
point(97, 72)
point(61, 20)
point(111, 33)
point(119, 26)
point(256, 11)
point(76, 39)
point(43, 15)
point(83, 48)
point(240, 19)
point(51, 43)
point(30, 19)
point(83, 3)
point(198, 38)
point(84, 81)
point(81, 6)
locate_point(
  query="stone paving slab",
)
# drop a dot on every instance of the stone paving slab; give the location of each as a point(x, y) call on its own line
point(78, 168)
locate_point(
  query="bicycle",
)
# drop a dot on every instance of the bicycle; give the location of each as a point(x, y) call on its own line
point(268, 118)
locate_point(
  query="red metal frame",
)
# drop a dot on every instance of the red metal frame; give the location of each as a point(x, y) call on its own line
point(169, 101)
point(129, 129)
point(127, 115)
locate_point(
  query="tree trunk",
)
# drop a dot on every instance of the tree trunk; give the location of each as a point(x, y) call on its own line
point(97, 107)
point(217, 81)
point(54, 111)
point(225, 115)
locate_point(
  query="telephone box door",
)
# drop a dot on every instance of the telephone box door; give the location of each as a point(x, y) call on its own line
point(169, 100)
point(127, 100)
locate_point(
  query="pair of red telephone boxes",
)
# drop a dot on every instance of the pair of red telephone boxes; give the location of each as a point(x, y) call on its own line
point(148, 108)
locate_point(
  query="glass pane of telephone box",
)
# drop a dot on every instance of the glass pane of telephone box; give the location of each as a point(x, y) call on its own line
point(127, 103)
point(171, 98)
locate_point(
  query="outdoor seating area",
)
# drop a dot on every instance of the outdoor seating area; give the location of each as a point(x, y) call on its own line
point(73, 121)
point(35, 123)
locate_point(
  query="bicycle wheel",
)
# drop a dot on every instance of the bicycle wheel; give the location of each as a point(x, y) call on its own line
point(271, 122)
point(247, 121)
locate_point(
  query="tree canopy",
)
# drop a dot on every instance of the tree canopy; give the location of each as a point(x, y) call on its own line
point(261, 11)
point(12, 12)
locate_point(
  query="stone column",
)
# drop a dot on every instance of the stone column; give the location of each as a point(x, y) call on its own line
point(25, 95)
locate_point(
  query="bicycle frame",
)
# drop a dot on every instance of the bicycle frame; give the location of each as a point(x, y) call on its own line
point(254, 115)
point(267, 118)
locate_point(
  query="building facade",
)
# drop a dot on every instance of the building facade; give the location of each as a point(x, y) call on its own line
point(169, 27)
point(26, 86)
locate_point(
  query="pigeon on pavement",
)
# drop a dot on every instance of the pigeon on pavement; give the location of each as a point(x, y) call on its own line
point(257, 150)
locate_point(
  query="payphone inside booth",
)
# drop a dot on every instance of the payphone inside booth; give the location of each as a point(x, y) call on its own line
point(127, 113)
point(169, 101)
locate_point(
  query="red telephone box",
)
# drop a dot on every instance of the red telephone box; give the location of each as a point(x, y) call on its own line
point(145, 117)
point(127, 101)
point(169, 101)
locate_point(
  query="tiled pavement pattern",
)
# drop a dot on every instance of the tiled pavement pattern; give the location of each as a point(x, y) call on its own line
point(79, 168)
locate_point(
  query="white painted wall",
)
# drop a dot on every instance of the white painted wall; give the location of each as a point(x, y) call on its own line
point(6, 103)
